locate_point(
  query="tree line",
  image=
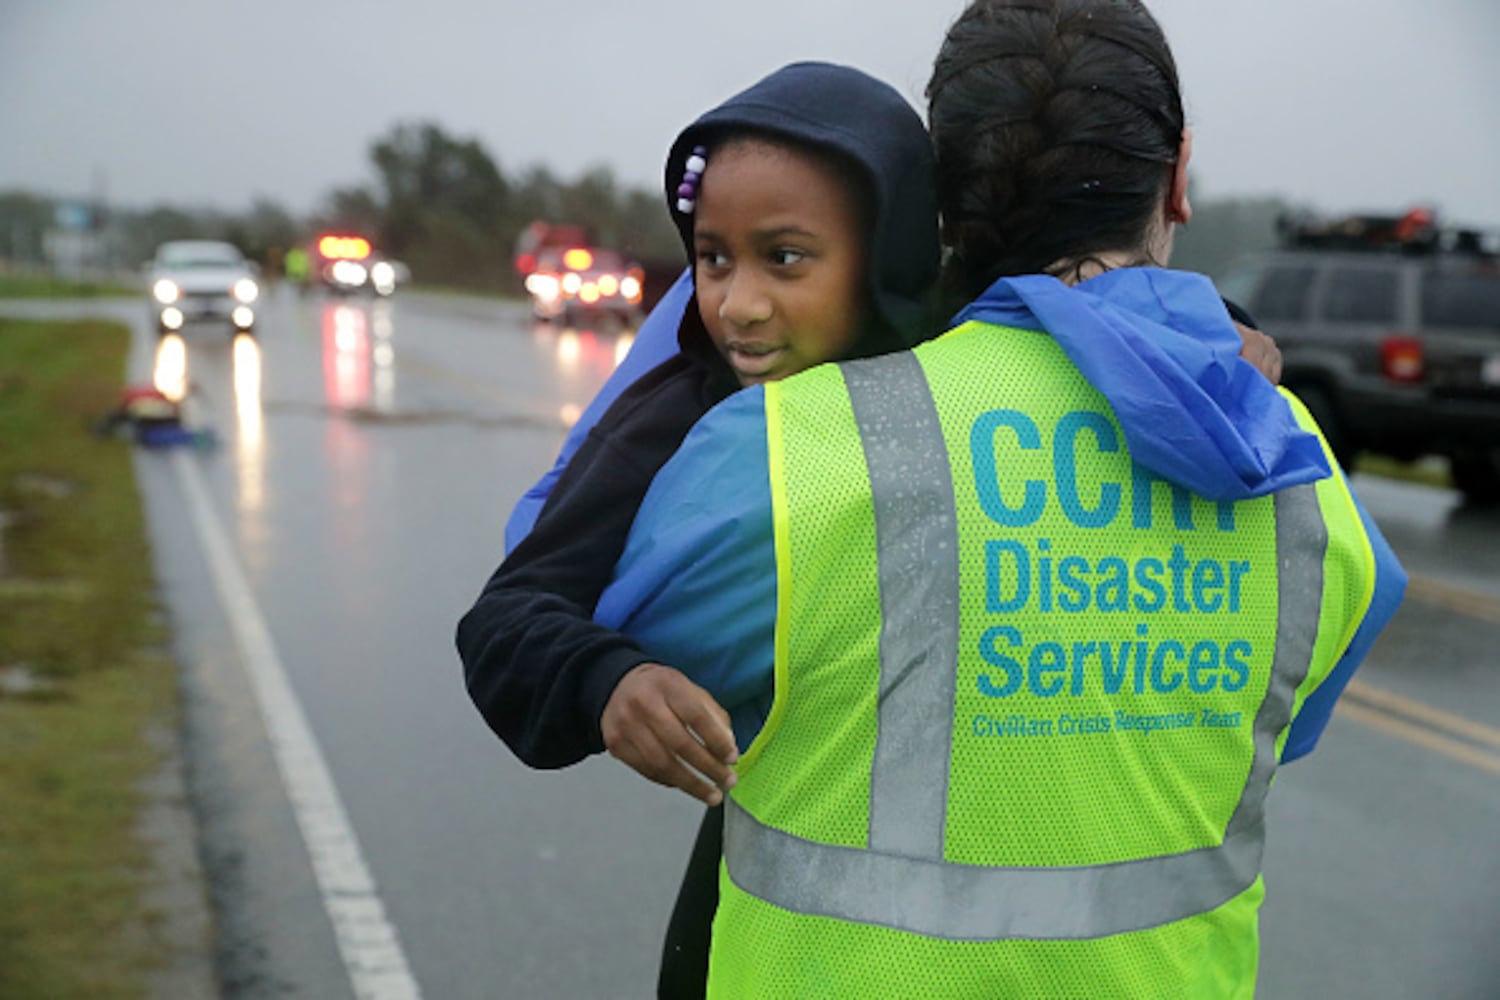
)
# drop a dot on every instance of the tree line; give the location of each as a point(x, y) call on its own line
point(442, 204)
point(438, 202)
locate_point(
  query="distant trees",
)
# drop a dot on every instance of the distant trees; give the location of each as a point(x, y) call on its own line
point(24, 220)
point(438, 202)
point(443, 205)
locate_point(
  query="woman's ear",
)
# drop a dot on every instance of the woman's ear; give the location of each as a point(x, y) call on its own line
point(1179, 209)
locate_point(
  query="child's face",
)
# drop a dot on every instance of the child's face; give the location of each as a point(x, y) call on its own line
point(780, 269)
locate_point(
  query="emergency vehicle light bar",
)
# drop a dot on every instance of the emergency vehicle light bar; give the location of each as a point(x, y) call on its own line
point(1417, 231)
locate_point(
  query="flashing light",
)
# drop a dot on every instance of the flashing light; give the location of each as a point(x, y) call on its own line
point(526, 263)
point(589, 293)
point(1413, 224)
point(571, 282)
point(166, 292)
point(578, 259)
point(630, 287)
point(608, 284)
point(344, 247)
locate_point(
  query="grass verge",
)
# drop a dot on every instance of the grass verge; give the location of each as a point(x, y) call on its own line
point(1428, 473)
point(85, 675)
point(41, 286)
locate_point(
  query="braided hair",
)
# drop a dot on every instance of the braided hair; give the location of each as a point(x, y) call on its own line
point(1056, 124)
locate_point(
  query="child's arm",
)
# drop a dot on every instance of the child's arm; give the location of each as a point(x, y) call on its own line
point(537, 666)
point(534, 662)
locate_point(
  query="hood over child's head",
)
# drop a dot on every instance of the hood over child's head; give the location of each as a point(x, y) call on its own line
point(862, 129)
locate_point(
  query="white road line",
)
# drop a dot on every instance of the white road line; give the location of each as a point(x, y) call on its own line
point(366, 938)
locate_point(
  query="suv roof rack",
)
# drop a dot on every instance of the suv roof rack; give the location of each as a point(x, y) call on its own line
point(1415, 231)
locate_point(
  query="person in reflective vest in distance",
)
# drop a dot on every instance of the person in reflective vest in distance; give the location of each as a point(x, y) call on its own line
point(1015, 628)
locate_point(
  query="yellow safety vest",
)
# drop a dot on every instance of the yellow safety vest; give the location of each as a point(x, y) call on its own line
point(1029, 698)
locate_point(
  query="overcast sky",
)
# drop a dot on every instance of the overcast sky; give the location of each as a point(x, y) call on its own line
point(1340, 104)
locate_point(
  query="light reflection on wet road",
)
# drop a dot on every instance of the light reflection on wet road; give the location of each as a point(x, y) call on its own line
point(369, 453)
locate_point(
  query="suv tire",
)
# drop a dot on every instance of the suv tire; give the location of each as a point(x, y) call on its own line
point(1320, 404)
point(1477, 476)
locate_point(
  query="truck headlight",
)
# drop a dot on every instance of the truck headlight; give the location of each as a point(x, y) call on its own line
point(543, 286)
point(347, 272)
point(166, 292)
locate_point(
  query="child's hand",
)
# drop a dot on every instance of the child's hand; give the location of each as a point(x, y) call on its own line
point(1261, 351)
point(671, 731)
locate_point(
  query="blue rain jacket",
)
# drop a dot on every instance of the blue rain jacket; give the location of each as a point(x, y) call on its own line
point(696, 585)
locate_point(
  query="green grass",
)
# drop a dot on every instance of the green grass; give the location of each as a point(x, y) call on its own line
point(1428, 473)
point(450, 291)
point(41, 286)
point(76, 612)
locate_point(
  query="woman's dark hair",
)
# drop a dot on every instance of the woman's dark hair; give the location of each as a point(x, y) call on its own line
point(1053, 121)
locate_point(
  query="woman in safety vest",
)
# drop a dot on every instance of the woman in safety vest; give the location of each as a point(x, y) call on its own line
point(1054, 594)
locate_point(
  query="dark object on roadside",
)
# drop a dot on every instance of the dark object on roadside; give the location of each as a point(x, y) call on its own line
point(148, 417)
point(1389, 327)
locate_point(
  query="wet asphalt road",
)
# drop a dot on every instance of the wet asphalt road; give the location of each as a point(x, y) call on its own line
point(368, 456)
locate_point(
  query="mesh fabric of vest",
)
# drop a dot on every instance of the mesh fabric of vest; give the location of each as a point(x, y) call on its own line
point(1056, 770)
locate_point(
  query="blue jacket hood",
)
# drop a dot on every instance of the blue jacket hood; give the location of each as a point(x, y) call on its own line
point(1160, 346)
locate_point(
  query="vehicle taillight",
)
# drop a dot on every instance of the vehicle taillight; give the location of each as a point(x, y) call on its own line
point(1401, 359)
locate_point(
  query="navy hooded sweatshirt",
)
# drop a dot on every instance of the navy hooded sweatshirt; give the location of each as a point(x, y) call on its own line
point(537, 666)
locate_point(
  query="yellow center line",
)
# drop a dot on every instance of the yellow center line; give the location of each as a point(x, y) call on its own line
point(1442, 732)
point(1416, 711)
point(1463, 600)
point(1421, 736)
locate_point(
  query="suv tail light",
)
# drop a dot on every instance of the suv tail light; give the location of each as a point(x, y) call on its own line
point(1401, 359)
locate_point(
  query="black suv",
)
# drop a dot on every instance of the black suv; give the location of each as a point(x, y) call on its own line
point(1390, 334)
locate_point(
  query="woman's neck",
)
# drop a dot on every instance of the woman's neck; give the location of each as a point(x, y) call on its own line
point(1155, 253)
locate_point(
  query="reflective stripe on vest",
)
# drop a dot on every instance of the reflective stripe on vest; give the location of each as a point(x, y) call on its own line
point(901, 880)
